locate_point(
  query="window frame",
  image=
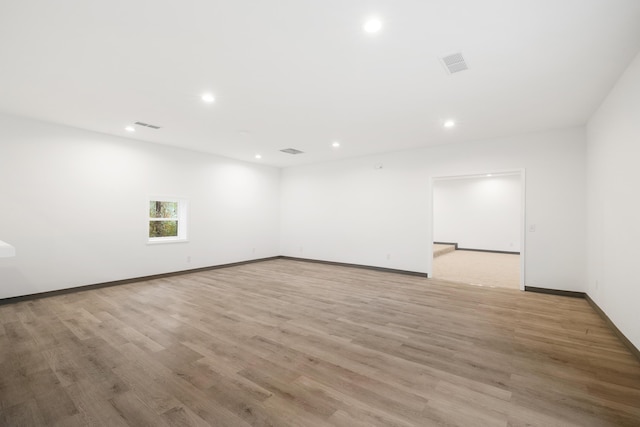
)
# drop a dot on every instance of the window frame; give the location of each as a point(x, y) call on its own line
point(182, 220)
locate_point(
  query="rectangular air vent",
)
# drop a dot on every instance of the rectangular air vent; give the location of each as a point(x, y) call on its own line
point(147, 125)
point(454, 63)
point(291, 151)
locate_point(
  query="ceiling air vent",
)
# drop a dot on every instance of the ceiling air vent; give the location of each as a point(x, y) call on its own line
point(454, 63)
point(291, 151)
point(147, 125)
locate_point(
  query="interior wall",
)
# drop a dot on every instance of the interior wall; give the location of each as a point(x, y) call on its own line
point(75, 206)
point(376, 210)
point(478, 212)
point(613, 150)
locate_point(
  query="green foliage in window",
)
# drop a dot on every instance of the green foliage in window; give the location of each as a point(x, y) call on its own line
point(159, 209)
point(163, 228)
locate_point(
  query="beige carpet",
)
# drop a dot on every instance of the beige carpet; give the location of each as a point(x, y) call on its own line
point(479, 268)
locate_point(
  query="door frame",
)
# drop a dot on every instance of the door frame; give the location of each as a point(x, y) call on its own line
point(523, 214)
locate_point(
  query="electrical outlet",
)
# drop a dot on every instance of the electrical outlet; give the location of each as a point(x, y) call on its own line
point(189, 258)
point(532, 228)
point(388, 257)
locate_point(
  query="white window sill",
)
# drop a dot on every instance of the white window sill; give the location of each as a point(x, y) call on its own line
point(164, 241)
point(6, 250)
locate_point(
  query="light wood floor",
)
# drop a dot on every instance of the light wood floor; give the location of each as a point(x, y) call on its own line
point(289, 343)
point(479, 268)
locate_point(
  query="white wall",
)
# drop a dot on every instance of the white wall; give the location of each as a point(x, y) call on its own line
point(478, 212)
point(74, 205)
point(347, 211)
point(613, 153)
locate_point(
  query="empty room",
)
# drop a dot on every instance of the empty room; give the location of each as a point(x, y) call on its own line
point(223, 213)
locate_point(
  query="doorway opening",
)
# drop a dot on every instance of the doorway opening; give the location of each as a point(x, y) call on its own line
point(478, 229)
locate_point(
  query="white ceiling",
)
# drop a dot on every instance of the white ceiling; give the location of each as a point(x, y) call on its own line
point(301, 74)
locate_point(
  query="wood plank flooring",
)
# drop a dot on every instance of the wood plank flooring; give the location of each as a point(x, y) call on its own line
point(290, 343)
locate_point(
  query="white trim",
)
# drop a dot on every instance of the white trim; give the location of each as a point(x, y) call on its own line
point(523, 227)
point(165, 240)
point(6, 250)
point(523, 216)
point(183, 217)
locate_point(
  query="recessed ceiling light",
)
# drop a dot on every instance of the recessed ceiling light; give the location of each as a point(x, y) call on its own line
point(130, 129)
point(335, 144)
point(208, 98)
point(489, 174)
point(258, 156)
point(449, 124)
point(372, 25)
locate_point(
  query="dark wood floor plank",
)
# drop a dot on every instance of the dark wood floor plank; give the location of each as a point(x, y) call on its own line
point(182, 416)
point(25, 414)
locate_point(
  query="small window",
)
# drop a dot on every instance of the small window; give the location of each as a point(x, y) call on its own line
point(167, 220)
